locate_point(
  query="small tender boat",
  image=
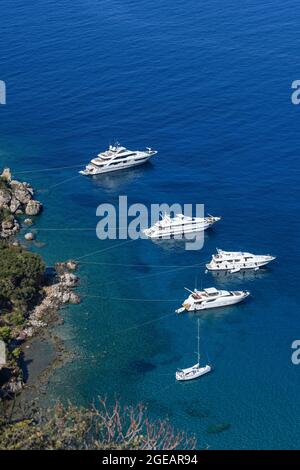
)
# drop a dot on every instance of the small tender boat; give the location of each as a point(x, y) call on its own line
point(235, 261)
point(117, 158)
point(179, 226)
point(195, 371)
point(211, 298)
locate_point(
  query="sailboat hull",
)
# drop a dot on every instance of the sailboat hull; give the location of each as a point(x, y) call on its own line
point(192, 373)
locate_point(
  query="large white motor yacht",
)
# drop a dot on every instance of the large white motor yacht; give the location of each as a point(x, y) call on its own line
point(235, 261)
point(116, 158)
point(179, 225)
point(211, 298)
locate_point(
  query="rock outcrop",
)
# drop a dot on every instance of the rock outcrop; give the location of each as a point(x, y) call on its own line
point(6, 174)
point(16, 198)
point(33, 207)
point(9, 227)
point(55, 295)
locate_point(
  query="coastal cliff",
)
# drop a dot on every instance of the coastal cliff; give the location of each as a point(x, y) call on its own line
point(30, 294)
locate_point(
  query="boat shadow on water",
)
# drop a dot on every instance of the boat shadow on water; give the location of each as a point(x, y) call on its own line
point(179, 244)
point(111, 182)
point(219, 312)
point(244, 275)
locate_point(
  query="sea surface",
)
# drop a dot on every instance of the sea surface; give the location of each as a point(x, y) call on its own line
point(207, 84)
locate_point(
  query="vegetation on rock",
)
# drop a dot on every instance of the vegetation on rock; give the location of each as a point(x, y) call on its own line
point(21, 275)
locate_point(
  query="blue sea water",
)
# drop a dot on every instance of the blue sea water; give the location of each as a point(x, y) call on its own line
point(208, 84)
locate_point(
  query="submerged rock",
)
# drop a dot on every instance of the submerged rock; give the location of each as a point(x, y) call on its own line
point(74, 298)
point(215, 428)
point(28, 221)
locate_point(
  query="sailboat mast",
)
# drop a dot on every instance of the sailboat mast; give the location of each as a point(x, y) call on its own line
point(198, 350)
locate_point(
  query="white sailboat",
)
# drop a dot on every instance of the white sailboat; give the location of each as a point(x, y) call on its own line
point(195, 371)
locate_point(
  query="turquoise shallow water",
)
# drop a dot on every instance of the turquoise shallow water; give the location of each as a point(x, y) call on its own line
point(208, 85)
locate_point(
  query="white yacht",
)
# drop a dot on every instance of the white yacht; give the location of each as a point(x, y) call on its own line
point(235, 261)
point(211, 298)
point(117, 158)
point(179, 225)
point(195, 371)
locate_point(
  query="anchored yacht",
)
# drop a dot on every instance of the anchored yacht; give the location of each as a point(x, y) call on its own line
point(116, 158)
point(179, 225)
point(235, 261)
point(195, 371)
point(211, 298)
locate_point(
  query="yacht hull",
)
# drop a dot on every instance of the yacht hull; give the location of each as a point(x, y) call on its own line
point(222, 302)
point(179, 232)
point(239, 266)
point(110, 168)
point(179, 229)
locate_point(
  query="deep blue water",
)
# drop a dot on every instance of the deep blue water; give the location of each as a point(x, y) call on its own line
point(208, 85)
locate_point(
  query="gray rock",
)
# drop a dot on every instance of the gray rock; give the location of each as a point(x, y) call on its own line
point(15, 386)
point(5, 198)
point(65, 298)
point(28, 221)
point(69, 279)
point(14, 205)
point(6, 174)
point(9, 228)
point(29, 236)
point(74, 298)
point(22, 191)
point(8, 224)
point(72, 265)
point(33, 207)
point(2, 354)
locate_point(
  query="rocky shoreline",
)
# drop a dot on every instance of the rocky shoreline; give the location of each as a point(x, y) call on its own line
point(55, 290)
point(16, 198)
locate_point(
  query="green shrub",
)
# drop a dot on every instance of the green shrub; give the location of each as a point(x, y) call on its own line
point(5, 333)
point(16, 353)
point(16, 317)
point(21, 275)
